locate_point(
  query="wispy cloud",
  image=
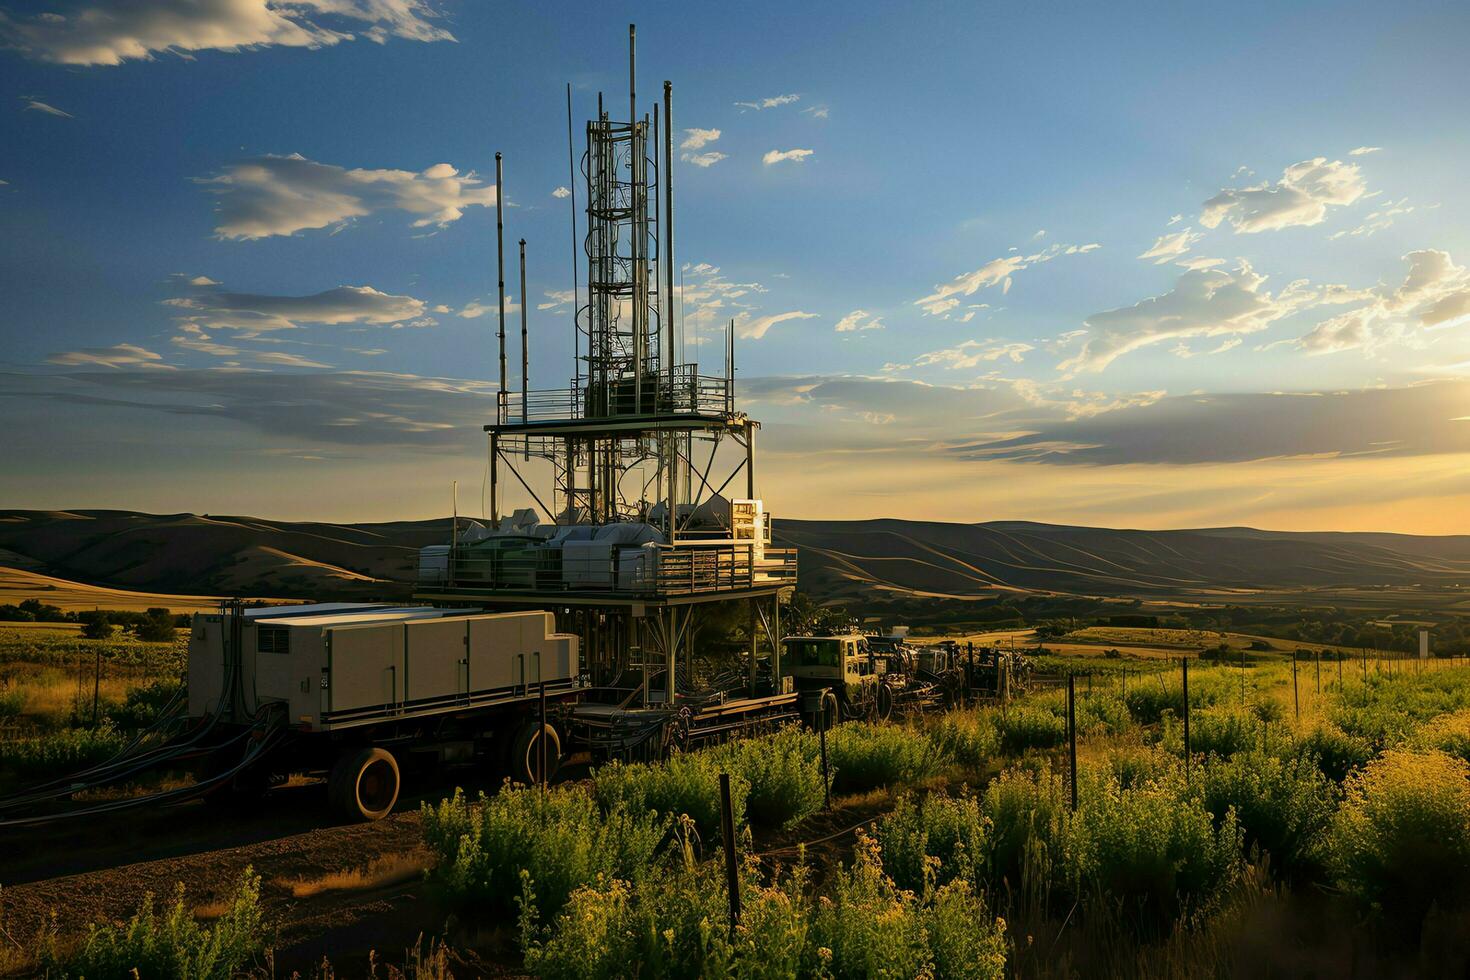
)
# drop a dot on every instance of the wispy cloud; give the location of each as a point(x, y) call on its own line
point(858, 320)
point(695, 139)
point(281, 195)
point(211, 308)
point(562, 192)
point(1364, 151)
point(118, 356)
point(706, 159)
point(815, 111)
point(772, 102)
point(1434, 294)
point(755, 328)
point(778, 156)
point(1166, 248)
point(1301, 197)
point(995, 272)
point(109, 32)
point(36, 105)
point(1203, 303)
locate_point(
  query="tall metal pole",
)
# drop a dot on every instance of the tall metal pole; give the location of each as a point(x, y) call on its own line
point(525, 351)
point(500, 275)
point(632, 76)
point(669, 221)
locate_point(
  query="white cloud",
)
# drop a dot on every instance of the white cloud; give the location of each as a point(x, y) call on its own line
point(280, 195)
point(1376, 221)
point(815, 111)
point(561, 192)
point(1200, 262)
point(557, 297)
point(755, 329)
point(108, 32)
point(36, 105)
point(776, 156)
point(1301, 197)
point(1176, 219)
point(475, 308)
point(1203, 303)
point(1364, 150)
point(1169, 247)
point(770, 103)
point(117, 356)
point(194, 338)
point(858, 320)
point(696, 139)
point(210, 308)
point(1435, 294)
point(708, 159)
point(283, 359)
point(972, 353)
point(995, 272)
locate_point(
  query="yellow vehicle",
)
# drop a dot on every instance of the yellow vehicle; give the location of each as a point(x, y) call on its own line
point(837, 676)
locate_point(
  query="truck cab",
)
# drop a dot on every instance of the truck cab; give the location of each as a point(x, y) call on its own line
point(842, 665)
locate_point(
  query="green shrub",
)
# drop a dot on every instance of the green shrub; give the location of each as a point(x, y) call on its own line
point(783, 772)
point(61, 752)
point(174, 947)
point(1282, 804)
point(561, 839)
point(1152, 849)
point(1217, 731)
point(867, 756)
point(1027, 812)
point(687, 783)
point(1401, 839)
point(938, 839)
point(1335, 752)
point(1135, 764)
point(673, 924)
point(967, 738)
point(965, 941)
point(867, 927)
point(1026, 727)
point(143, 705)
point(1448, 733)
point(12, 702)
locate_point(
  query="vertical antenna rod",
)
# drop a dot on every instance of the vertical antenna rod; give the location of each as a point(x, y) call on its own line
point(500, 269)
point(572, 186)
point(632, 75)
point(525, 350)
point(669, 218)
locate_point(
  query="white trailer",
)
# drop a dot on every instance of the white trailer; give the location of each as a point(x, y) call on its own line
point(359, 688)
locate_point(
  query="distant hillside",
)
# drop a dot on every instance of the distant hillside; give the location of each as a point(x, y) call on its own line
point(220, 555)
point(867, 560)
point(894, 558)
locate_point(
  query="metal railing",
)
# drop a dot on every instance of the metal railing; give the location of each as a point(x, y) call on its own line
point(646, 570)
point(685, 392)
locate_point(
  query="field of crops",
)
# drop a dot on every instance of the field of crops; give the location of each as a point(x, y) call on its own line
point(67, 702)
point(1357, 789)
point(1320, 820)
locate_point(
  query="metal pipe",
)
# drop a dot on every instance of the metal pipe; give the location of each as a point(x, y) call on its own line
point(500, 270)
point(525, 351)
point(632, 76)
point(668, 217)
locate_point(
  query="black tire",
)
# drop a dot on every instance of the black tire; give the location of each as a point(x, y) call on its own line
point(363, 785)
point(525, 753)
point(883, 704)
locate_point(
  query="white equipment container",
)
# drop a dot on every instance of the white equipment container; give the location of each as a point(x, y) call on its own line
point(343, 665)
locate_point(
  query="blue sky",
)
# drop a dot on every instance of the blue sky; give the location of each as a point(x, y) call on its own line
point(930, 222)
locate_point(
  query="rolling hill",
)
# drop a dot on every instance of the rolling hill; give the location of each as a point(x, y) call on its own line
point(868, 560)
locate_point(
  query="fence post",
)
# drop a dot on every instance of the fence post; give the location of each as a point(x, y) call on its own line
point(1296, 701)
point(96, 686)
point(1184, 669)
point(970, 673)
point(732, 876)
point(1072, 736)
point(822, 736)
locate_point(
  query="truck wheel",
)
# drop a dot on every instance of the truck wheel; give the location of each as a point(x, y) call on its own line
point(364, 784)
point(525, 753)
